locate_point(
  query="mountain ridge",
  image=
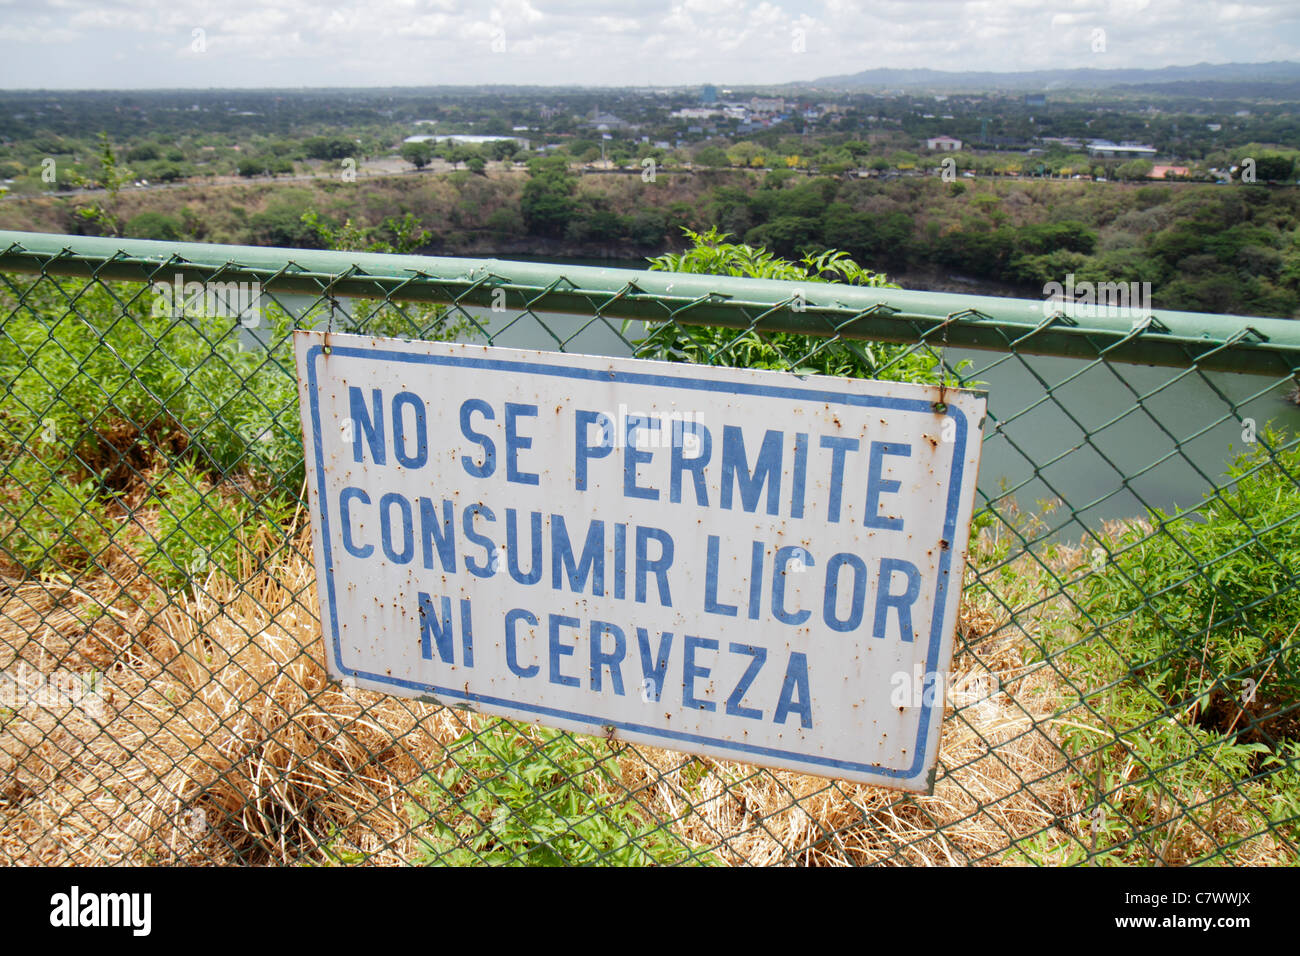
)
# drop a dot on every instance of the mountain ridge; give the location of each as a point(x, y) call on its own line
point(1080, 78)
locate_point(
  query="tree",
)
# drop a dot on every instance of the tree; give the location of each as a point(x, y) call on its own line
point(871, 237)
point(1275, 169)
point(112, 178)
point(329, 147)
point(281, 224)
point(787, 235)
point(402, 236)
point(169, 173)
point(596, 225)
point(547, 203)
point(418, 154)
point(647, 227)
point(744, 153)
point(153, 225)
point(712, 156)
point(459, 153)
point(504, 149)
point(1134, 169)
point(143, 153)
point(857, 149)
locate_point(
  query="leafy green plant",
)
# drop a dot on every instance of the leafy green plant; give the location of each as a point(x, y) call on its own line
point(112, 177)
point(400, 320)
point(712, 254)
point(1210, 601)
point(117, 372)
point(539, 798)
point(200, 530)
point(1182, 671)
point(48, 518)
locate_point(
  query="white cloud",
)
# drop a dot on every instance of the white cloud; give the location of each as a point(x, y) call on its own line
point(117, 43)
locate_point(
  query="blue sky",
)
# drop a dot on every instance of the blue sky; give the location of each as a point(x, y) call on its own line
point(65, 44)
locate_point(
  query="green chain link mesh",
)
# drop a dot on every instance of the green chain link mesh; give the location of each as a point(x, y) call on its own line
point(1126, 674)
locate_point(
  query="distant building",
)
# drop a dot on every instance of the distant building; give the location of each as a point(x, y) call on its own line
point(1035, 99)
point(469, 138)
point(708, 94)
point(603, 121)
point(696, 112)
point(944, 144)
point(760, 104)
point(1108, 150)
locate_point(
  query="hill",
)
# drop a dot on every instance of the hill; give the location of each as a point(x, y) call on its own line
point(1281, 77)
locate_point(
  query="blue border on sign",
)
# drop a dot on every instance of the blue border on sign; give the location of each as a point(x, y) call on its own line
point(955, 485)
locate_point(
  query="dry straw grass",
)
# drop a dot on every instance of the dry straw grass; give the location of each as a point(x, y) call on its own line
point(219, 710)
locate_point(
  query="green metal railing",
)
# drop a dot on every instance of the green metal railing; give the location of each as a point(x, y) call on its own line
point(1127, 680)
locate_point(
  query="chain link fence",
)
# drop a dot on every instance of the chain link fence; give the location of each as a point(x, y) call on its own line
point(1126, 679)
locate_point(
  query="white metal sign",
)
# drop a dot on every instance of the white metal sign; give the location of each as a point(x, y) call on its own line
point(750, 565)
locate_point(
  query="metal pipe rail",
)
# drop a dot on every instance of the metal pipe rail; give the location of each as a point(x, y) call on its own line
point(1236, 343)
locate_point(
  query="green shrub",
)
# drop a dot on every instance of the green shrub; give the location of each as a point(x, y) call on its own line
point(1183, 672)
point(112, 380)
point(711, 254)
point(153, 225)
point(102, 390)
point(200, 530)
point(1211, 600)
point(97, 397)
point(48, 518)
point(517, 799)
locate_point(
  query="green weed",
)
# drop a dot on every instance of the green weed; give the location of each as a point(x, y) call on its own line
point(536, 799)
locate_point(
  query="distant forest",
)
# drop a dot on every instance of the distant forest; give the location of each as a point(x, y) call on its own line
point(1229, 249)
point(618, 174)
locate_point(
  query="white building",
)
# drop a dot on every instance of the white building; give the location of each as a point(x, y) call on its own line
point(471, 139)
point(696, 112)
point(762, 105)
point(1106, 149)
point(943, 144)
